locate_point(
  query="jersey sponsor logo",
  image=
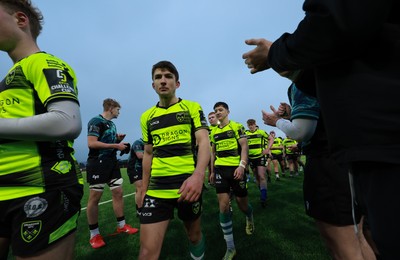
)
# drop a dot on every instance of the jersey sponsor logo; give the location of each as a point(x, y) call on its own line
point(146, 214)
point(155, 122)
point(62, 167)
point(35, 207)
point(59, 81)
point(156, 139)
point(8, 102)
point(30, 230)
point(196, 207)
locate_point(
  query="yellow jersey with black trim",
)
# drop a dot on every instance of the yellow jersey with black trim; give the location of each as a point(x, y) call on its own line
point(287, 142)
point(276, 147)
point(29, 167)
point(227, 147)
point(171, 131)
point(257, 140)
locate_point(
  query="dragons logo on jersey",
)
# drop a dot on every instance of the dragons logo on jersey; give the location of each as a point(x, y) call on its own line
point(180, 117)
point(196, 207)
point(10, 77)
point(230, 134)
point(30, 230)
point(35, 207)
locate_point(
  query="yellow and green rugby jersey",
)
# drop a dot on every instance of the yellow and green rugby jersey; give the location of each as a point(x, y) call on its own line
point(288, 142)
point(28, 167)
point(171, 131)
point(277, 143)
point(226, 143)
point(257, 140)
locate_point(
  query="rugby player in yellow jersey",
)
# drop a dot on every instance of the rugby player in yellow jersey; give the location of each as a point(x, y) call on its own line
point(173, 175)
point(276, 155)
point(229, 158)
point(212, 119)
point(259, 147)
point(290, 148)
point(40, 182)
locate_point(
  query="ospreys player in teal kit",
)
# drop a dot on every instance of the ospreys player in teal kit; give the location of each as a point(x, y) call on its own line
point(40, 182)
point(173, 171)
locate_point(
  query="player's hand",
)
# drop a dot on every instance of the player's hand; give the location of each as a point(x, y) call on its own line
point(257, 59)
point(139, 198)
point(121, 146)
point(191, 188)
point(238, 174)
point(212, 178)
point(284, 110)
point(270, 118)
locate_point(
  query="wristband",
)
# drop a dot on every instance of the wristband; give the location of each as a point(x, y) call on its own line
point(242, 164)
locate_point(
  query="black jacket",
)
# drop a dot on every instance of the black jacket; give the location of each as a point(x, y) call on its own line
point(352, 48)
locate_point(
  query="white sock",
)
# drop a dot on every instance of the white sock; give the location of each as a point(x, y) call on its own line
point(94, 232)
point(121, 223)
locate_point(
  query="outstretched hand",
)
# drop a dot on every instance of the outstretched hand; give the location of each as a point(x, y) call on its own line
point(270, 118)
point(257, 59)
point(284, 110)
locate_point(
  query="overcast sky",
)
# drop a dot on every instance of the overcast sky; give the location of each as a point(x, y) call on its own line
point(112, 46)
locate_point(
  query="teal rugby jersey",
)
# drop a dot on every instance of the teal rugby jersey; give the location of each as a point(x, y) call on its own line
point(28, 167)
point(171, 132)
point(106, 131)
point(257, 140)
point(226, 143)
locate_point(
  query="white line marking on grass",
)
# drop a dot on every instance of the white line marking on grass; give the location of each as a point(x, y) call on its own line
point(107, 201)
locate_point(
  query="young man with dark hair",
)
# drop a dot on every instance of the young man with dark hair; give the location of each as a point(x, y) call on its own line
point(176, 154)
point(228, 160)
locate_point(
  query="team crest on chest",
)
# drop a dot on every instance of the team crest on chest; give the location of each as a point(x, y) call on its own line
point(180, 117)
point(10, 77)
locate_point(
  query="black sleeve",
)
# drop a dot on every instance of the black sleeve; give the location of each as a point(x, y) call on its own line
point(330, 31)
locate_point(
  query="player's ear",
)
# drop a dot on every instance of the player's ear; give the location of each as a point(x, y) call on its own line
point(22, 19)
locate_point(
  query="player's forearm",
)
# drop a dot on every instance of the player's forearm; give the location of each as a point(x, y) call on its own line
point(203, 157)
point(298, 129)
point(146, 164)
point(61, 122)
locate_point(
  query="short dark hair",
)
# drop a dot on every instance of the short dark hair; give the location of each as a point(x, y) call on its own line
point(251, 122)
point(221, 104)
point(165, 65)
point(33, 13)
